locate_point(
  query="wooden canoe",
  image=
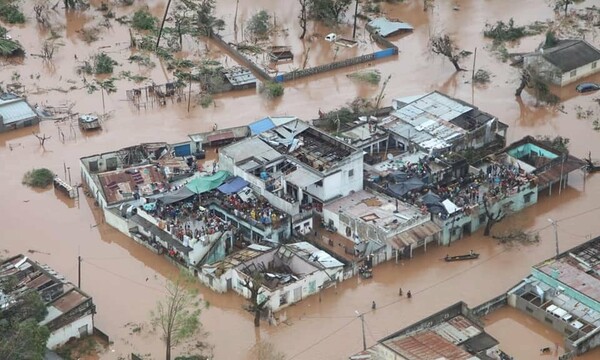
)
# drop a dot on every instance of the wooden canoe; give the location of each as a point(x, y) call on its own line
point(462, 257)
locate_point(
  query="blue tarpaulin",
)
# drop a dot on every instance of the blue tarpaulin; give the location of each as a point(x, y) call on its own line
point(233, 186)
point(261, 126)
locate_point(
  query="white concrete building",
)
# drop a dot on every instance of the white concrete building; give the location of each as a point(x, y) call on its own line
point(566, 62)
point(70, 310)
point(395, 227)
point(291, 272)
point(295, 166)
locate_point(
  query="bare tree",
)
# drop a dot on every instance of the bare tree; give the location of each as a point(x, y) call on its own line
point(444, 45)
point(532, 79)
point(177, 316)
point(49, 47)
point(303, 16)
point(42, 139)
point(492, 218)
point(254, 283)
point(41, 10)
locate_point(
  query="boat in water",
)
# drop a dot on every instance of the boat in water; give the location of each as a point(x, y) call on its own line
point(469, 256)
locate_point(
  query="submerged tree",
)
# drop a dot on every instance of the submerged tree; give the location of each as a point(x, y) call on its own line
point(303, 17)
point(257, 301)
point(205, 20)
point(21, 336)
point(177, 316)
point(259, 25)
point(491, 218)
point(445, 46)
point(564, 4)
point(328, 11)
point(533, 79)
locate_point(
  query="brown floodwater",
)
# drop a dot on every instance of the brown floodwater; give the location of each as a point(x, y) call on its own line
point(115, 268)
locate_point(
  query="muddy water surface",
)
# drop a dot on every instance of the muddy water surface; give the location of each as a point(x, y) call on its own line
point(126, 279)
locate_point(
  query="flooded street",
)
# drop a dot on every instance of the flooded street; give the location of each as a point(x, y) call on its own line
point(125, 279)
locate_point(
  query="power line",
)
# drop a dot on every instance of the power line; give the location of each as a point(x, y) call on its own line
point(442, 281)
point(323, 339)
point(124, 278)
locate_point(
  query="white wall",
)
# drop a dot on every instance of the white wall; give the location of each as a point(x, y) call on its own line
point(93, 186)
point(581, 72)
point(62, 335)
point(117, 222)
point(339, 183)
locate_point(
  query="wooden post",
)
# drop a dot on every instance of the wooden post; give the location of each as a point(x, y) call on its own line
point(162, 24)
point(190, 92)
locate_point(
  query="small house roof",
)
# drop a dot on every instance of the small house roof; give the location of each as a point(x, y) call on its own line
point(14, 108)
point(569, 55)
point(387, 27)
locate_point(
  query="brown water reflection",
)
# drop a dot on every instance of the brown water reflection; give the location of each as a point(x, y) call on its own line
point(115, 268)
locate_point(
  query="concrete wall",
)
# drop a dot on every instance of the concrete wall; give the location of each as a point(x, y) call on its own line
point(554, 75)
point(118, 222)
point(293, 292)
point(94, 187)
point(570, 292)
point(580, 72)
point(457, 226)
point(490, 305)
point(62, 335)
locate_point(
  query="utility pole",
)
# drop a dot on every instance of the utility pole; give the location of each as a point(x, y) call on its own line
point(162, 24)
point(79, 271)
point(362, 322)
point(555, 226)
point(355, 17)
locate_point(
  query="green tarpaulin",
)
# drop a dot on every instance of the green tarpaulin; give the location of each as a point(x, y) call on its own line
point(207, 183)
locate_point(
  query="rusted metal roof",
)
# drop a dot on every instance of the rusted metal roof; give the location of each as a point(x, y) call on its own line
point(69, 301)
point(221, 136)
point(427, 345)
point(551, 175)
point(415, 234)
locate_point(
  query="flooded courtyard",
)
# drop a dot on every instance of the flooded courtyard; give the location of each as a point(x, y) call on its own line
point(126, 280)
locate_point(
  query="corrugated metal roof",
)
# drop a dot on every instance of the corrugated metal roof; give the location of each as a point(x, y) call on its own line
point(427, 345)
point(261, 126)
point(16, 110)
point(386, 27)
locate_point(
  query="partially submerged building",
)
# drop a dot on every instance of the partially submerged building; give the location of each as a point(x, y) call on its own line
point(452, 334)
point(380, 226)
point(151, 193)
point(564, 293)
point(70, 310)
point(550, 166)
point(15, 112)
point(435, 123)
point(565, 62)
point(289, 273)
point(295, 166)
